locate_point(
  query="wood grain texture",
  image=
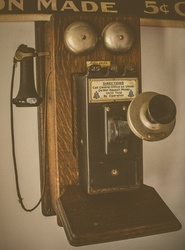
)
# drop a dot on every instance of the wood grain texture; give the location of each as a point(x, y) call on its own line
point(100, 218)
point(50, 106)
point(47, 208)
point(60, 67)
point(103, 218)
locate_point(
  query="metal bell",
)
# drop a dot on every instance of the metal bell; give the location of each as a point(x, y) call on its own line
point(118, 37)
point(80, 37)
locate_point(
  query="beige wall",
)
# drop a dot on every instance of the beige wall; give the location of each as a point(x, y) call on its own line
point(163, 71)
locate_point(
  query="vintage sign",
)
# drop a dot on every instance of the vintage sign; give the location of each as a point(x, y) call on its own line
point(159, 9)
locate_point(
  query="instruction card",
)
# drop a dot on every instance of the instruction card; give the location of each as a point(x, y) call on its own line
point(112, 89)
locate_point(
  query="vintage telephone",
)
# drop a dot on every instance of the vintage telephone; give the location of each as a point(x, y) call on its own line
point(96, 120)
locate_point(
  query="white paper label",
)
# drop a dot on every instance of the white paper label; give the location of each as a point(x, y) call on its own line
point(112, 89)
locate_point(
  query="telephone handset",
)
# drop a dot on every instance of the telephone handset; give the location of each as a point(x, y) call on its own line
point(27, 97)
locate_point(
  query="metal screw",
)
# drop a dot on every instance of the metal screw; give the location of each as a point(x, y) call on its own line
point(125, 150)
point(121, 37)
point(114, 172)
point(130, 68)
point(95, 224)
point(50, 211)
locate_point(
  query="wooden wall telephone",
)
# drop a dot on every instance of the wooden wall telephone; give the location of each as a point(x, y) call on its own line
point(91, 124)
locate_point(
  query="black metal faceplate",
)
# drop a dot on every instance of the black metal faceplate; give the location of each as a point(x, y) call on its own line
point(104, 165)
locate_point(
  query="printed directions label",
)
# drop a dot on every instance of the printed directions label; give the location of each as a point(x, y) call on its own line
point(112, 89)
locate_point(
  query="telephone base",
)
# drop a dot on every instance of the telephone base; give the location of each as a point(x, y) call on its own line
point(102, 218)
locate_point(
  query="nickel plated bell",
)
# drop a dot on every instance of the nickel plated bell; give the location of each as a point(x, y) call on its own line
point(80, 37)
point(118, 37)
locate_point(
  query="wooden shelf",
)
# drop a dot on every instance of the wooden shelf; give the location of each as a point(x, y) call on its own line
point(101, 218)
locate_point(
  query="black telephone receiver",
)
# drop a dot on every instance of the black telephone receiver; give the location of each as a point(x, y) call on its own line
point(27, 97)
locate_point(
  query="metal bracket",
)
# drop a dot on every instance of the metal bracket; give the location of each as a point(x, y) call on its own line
point(19, 55)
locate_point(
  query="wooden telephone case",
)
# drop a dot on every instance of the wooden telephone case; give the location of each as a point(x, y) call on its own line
point(87, 219)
